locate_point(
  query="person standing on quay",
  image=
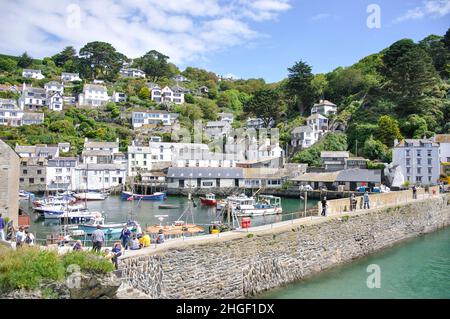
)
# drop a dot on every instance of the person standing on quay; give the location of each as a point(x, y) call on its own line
point(324, 206)
point(125, 235)
point(2, 226)
point(98, 237)
point(414, 190)
point(366, 200)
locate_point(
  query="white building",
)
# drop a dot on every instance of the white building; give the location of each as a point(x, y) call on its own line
point(324, 107)
point(54, 87)
point(40, 150)
point(444, 147)
point(61, 173)
point(55, 101)
point(167, 94)
point(33, 99)
point(70, 77)
point(64, 147)
point(180, 78)
point(99, 176)
point(226, 117)
point(204, 158)
point(140, 118)
point(418, 160)
point(132, 73)
point(158, 155)
point(216, 129)
point(10, 113)
point(93, 95)
point(119, 97)
point(32, 74)
point(303, 136)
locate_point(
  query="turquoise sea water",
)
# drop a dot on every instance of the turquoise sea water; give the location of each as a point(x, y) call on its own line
point(417, 268)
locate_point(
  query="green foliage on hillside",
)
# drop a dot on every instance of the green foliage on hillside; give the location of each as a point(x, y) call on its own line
point(400, 92)
point(331, 142)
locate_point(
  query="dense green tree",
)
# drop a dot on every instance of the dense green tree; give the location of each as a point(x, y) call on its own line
point(265, 104)
point(299, 86)
point(415, 126)
point(188, 98)
point(374, 149)
point(435, 46)
point(388, 130)
point(410, 72)
point(25, 61)
point(101, 60)
point(7, 64)
point(155, 65)
point(209, 108)
point(144, 93)
point(68, 54)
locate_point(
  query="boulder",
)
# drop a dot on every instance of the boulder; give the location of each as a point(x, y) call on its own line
point(96, 287)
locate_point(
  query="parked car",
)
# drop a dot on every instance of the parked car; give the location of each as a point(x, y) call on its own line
point(304, 188)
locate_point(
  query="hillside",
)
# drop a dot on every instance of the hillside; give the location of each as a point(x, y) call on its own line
point(399, 92)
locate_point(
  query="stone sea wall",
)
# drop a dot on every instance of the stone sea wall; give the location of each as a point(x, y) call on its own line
point(240, 265)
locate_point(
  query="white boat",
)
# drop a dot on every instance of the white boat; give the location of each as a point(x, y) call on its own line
point(91, 196)
point(25, 195)
point(244, 206)
point(77, 212)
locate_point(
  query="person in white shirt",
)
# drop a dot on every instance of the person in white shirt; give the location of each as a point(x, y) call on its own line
point(20, 237)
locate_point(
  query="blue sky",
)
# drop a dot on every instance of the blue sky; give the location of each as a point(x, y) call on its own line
point(246, 38)
point(326, 34)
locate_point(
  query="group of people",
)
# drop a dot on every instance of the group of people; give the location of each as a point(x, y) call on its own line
point(364, 203)
point(135, 241)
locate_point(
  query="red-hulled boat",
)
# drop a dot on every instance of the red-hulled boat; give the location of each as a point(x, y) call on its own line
point(209, 200)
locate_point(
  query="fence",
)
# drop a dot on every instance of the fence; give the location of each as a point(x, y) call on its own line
point(338, 206)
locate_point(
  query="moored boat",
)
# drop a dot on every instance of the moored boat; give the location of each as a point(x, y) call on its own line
point(90, 196)
point(154, 196)
point(168, 206)
point(209, 200)
point(243, 206)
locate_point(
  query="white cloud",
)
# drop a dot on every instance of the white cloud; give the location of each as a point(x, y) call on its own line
point(433, 8)
point(182, 29)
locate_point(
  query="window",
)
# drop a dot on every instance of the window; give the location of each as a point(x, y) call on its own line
point(21, 180)
point(418, 178)
point(25, 172)
point(39, 172)
point(31, 180)
point(42, 179)
point(429, 161)
point(408, 170)
point(59, 170)
point(429, 153)
point(106, 179)
point(419, 161)
point(418, 153)
point(407, 152)
point(408, 161)
point(114, 179)
point(429, 170)
point(145, 163)
point(419, 170)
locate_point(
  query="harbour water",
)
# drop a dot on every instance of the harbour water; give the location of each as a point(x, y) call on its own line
point(116, 211)
point(417, 268)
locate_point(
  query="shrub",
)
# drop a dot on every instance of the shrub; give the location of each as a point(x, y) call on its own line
point(89, 262)
point(27, 266)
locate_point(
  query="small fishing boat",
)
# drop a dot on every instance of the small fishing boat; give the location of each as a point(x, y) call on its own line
point(74, 213)
point(110, 229)
point(209, 200)
point(25, 195)
point(54, 209)
point(90, 196)
point(54, 200)
point(154, 196)
point(168, 206)
point(176, 230)
point(244, 206)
